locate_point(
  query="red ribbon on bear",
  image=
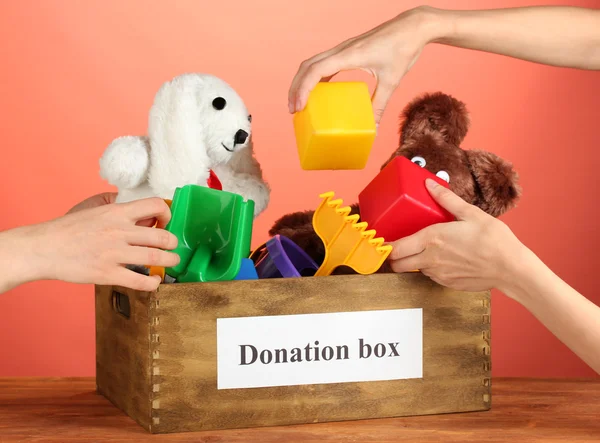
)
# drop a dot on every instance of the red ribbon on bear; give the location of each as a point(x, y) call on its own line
point(213, 181)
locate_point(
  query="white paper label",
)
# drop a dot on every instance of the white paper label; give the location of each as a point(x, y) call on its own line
point(286, 350)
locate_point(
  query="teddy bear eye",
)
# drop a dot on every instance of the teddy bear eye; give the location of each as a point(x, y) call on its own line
point(419, 161)
point(219, 103)
point(444, 176)
point(250, 118)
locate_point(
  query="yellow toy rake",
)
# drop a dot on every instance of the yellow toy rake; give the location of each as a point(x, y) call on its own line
point(347, 243)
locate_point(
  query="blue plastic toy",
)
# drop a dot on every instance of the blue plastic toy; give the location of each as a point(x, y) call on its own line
point(247, 271)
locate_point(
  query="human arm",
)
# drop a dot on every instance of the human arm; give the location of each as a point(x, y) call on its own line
point(554, 35)
point(90, 245)
point(479, 252)
point(571, 317)
point(564, 36)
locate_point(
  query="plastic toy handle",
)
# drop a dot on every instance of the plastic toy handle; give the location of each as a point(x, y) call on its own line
point(326, 268)
point(340, 247)
point(347, 243)
point(157, 270)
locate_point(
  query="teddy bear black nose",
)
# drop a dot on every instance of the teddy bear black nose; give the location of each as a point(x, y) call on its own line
point(240, 137)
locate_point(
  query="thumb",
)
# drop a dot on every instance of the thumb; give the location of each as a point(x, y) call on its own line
point(381, 96)
point(450, 201)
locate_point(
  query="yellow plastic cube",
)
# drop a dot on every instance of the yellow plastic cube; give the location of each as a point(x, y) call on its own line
point(336, 128)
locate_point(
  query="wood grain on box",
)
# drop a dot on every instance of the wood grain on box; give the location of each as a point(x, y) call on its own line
point(160, 364)
point(122, 351)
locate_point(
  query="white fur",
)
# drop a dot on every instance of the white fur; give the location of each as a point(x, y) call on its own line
point(125, 162)
point(186, 138)
point(243, 175)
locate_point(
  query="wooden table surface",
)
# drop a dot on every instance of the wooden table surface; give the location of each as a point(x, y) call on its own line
point(523, 410)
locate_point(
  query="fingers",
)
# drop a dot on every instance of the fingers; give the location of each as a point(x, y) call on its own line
point(311, 73)
point(408, 264)
point(140, 255)
point(381, 96)
point(450, 201)
point(408, 246)
point(148, 223)
point(149, 208)
point(293, 92)
point(407, 252)
point(151, 237)
point(323, 69)
point(133, 280)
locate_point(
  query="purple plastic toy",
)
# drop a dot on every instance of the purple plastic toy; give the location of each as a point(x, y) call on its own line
point(284, 258)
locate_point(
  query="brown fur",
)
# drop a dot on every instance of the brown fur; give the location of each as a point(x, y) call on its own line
point(433, 127)
point(437, 112)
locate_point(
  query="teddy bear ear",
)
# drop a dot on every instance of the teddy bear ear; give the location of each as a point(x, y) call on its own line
point(435, 113)
point(496, 180)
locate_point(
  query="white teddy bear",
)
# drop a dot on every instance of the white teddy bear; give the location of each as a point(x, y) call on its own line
point(198, 127)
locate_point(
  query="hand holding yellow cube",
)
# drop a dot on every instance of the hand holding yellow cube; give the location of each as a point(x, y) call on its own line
point(336, 129)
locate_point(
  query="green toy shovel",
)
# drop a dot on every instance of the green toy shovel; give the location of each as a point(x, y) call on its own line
point(214, 231)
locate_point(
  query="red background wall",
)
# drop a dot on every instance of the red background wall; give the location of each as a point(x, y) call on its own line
point(75, 75)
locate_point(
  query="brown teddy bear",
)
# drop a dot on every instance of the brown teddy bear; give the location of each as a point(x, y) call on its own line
point(432, 130)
